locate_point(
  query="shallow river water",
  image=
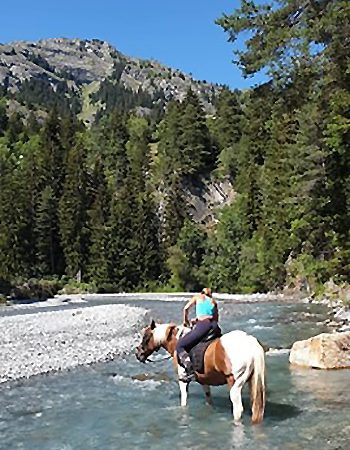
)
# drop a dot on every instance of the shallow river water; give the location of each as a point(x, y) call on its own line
point(124, 404)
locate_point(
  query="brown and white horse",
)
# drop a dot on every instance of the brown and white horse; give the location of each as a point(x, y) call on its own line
point(232, 359)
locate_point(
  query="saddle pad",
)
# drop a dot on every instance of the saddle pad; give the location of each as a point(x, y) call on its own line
point(197, 356)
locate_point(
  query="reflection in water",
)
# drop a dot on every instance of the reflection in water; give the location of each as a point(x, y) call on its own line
point(324, 385)
point(281, 411)
point(239, 439)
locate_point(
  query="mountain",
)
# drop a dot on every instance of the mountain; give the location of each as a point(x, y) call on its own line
point(91, 76)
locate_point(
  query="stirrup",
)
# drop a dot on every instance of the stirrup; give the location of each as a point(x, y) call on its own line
point(184, 360)
point(188, 377)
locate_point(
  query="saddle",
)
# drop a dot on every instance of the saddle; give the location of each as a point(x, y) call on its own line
point(198, 351)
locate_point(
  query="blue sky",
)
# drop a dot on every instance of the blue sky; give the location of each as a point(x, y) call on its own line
point(180, 33)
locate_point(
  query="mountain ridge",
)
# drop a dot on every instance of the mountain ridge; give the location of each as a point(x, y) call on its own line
point(76, 63)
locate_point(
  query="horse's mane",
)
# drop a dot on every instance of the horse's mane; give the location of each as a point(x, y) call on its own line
point(159, 332)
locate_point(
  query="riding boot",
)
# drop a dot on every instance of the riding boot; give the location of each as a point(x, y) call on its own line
point(186, 363)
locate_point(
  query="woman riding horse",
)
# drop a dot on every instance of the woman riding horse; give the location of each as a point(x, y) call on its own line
point(207, 316)
point(233, 359)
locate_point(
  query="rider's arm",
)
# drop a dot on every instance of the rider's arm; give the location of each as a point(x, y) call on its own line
point(216, 311)
point(188, 305)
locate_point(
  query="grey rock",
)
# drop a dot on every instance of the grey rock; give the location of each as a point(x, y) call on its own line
point(324, 351)
point(82, 62)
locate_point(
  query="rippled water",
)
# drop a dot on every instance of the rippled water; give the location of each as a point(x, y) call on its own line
point(127, 405)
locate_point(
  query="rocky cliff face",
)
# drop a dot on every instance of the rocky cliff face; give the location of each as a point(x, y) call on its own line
point(206, 198)
point(79, 63)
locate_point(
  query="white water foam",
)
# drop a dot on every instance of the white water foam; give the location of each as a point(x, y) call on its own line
point(278, 351)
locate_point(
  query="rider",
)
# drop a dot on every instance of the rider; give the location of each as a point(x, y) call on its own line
point(207, 316)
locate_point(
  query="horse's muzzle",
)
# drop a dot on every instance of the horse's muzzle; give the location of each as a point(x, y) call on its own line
point(140, 354)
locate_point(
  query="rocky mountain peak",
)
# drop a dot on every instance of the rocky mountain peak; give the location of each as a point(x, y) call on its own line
point(80, 63)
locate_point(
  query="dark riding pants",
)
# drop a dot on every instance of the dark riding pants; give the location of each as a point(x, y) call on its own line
point(187, 342)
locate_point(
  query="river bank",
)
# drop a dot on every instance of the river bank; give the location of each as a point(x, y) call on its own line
point(51, 338)
point(339, 313)
point(49, 341)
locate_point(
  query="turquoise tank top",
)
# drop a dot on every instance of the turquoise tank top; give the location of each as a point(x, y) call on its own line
point(205, 308)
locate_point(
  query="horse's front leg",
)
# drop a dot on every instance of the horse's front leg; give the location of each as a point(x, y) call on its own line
point(236, 399)
point(183, 393)
point(207, 393)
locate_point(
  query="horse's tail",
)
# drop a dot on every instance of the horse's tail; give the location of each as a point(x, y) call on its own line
point(257, 385)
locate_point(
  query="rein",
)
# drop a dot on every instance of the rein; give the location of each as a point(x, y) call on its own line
point(179, 333)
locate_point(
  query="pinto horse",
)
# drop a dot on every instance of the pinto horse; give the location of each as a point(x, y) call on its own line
point(232, 359)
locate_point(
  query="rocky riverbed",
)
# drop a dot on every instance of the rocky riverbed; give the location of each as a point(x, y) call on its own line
point(43, 342)
point(339, 314)
point(47, 341)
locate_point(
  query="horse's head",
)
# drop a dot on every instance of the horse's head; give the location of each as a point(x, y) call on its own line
point(154, 337)
point(148, 344)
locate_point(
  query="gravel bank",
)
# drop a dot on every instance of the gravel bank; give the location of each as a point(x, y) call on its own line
point(43, 342)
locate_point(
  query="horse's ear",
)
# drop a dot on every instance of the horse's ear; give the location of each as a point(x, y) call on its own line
point(153, 325)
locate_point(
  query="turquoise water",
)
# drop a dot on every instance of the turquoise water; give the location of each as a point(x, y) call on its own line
point(127, 405)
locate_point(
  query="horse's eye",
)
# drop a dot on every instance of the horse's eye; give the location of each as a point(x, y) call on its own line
point(146, 339)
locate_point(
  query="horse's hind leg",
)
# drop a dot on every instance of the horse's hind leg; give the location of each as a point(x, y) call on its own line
point(207, 392)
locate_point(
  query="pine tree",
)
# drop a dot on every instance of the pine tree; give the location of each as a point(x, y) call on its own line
point(3, 117)
point(52, 173)
point(45, 231)
point(220, 268)
point(97, 220)
point(112, 136)
point(227, 130)
point(145, 243)
point(72, 210)
point(195, 143)
point(15, 226)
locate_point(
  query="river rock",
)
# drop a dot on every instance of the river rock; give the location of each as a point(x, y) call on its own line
point(324, 351)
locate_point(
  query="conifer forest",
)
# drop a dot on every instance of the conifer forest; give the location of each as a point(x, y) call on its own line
point(108, 201)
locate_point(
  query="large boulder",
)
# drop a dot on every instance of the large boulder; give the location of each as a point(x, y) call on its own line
point(324, 351)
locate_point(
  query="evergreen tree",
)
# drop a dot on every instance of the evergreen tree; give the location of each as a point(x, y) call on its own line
point(72, 210)
point(52, 173)
point(15, 226)
point(45, 231)
point(3, 117)
point(145, 243)
point(227, 130)
point(194, 139)
point(112, 136)
point(169, 150)
point(185, 258)
point(15, 127)
point(121, 267)
point(97, 222)
point(220, 268)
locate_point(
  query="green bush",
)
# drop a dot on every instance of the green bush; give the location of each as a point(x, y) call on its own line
point(76, 287)
point(35, 289)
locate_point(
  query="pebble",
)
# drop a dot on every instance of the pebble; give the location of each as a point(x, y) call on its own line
point(43, 342)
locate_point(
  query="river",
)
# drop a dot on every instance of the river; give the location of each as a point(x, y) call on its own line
point(124, 404)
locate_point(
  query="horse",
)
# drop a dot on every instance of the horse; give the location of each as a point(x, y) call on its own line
point(233, 359)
